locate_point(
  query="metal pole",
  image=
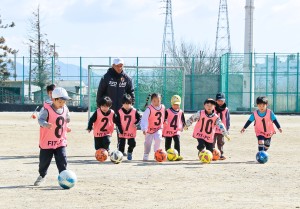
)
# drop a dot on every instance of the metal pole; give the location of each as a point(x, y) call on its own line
point(80, 85)
point(251, 79)
point(165, 80)
point(52, 69)
point(297, 95)
point(15, 66)
point(23, 84)
point(89, 92)
point(267, 68)
point(183, 88)
point(137, 98)
point(287, 83)
point(227, 77)
point(274, 81)
point(192, 82)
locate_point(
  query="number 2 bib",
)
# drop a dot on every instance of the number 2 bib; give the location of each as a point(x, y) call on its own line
point(56, 136)
point(205, 127)
point(104, 125)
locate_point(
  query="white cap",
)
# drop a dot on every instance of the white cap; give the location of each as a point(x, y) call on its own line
point(118, 61)
point(60, 93)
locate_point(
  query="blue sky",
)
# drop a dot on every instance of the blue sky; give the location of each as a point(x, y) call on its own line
point(135, 27)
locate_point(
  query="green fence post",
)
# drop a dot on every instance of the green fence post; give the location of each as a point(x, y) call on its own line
point(109, 61)
point(137, 96)
point(192, 83)
point(227, 77)
point(274, 81)
point(297, 97)
point(251, 77)
point(23, 83)
point(165, 80)
point(52, 73)
point(267, 67)
point(80, 84)
point(287, 83)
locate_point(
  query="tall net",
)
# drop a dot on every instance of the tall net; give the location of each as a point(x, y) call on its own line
point(146, 80)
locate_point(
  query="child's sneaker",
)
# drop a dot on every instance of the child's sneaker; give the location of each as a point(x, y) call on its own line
point(40, 180)
point(129, 156)
point(124, 154)
point(146, 157)
point(179, 158)
point(222, 157)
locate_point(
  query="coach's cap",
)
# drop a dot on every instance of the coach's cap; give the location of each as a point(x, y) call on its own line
point(60, 93)
point(220, 96)
point(210, 101)
point(176, 99)
point(118, 61)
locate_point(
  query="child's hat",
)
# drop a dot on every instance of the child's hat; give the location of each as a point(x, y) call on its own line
point(176, 99)
point(60, 93)
point(210, 101)
point(220, 96)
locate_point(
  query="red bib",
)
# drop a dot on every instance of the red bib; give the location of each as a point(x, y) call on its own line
point(127, 122)
point(173, 127)
point(205, 127)
point(156, 118)
point(224, 121)
point(263, 126)
point(104, 125)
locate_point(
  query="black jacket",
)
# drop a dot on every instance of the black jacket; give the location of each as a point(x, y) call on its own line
point(115, 85)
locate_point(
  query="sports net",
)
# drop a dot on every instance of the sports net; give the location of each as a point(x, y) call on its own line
point(146, 80)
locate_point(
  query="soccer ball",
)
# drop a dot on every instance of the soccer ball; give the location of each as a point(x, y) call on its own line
point(101, 154)
point(67, 179)
point(216, 154)
point(160, 155)
point(262, 157)
point(205, 156)
point(116, 157)
point(172, 154)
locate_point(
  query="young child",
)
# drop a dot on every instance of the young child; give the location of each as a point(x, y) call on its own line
point(53, 128)
point(128, 118)
point(263, 126)
point(102, 121)
point(223, 112)
point(49, 89)
point(174, 123)
point(207, 121)
point(152, 124)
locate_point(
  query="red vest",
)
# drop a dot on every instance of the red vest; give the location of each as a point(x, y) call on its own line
point(224, 121)
point(127, 122)
point(104, 125)
point(156, 119)
point(263, 126)
point(205, 127)
point(173, 127)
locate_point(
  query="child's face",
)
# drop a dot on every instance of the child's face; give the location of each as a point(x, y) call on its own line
point(176, 106)
point(220, 102)
point(59, 103)
point(262, 107)
point(104, 108)
point(156, 101)
point(127, 106)
point(209, 107)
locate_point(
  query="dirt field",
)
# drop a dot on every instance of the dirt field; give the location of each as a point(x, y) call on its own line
point(238, 182)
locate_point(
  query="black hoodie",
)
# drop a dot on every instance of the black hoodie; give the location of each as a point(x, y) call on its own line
point(115, 85)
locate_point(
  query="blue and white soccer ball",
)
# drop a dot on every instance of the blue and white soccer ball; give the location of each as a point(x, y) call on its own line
point(67, 179)
point(262, 157)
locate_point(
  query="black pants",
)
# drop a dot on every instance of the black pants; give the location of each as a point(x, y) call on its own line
point(131, 144)
point(46, 156)
point(168, 143)
point(102, 142)
point(219, 139)
point(204, 144)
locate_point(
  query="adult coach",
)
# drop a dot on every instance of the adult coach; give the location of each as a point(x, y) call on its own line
point(114, 84)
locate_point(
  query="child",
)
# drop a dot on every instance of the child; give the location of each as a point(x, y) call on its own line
point(207, 121)
point(263, 126)
point(152, 124)
point(174, 123)
point(223, 112)
point(128, 118)
point(102, 121)
point(49, 89)
point(53, 127)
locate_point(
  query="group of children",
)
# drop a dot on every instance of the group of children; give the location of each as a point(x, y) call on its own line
point(157, 122)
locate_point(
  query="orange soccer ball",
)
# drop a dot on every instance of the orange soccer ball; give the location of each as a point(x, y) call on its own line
point(101, 155)
point(160, 155)
point(216, 154)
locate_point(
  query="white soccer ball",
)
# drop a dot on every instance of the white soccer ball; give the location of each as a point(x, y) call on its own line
point(116, 157)
point(67, 179)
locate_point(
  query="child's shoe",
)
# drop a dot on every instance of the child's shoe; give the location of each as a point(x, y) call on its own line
point(40, 180)
point(124, 154)
point(146, 157)
point(179, 158)
point(222, 157)
point(129, 156)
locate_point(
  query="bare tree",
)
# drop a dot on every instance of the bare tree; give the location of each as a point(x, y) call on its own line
point(5, 62)
point(42, 52)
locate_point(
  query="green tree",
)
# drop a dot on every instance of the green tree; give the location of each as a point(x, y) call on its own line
point(5, 62)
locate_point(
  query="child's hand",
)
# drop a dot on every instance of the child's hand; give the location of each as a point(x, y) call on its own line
point(89, 131)
point(185, 128)
point(227, 137)
point(144, 132)
point(68, 130)
point(280, 130)
point(243, 130)
point(49, 125)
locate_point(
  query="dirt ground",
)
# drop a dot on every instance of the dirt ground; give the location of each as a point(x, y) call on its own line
point(238, 182)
